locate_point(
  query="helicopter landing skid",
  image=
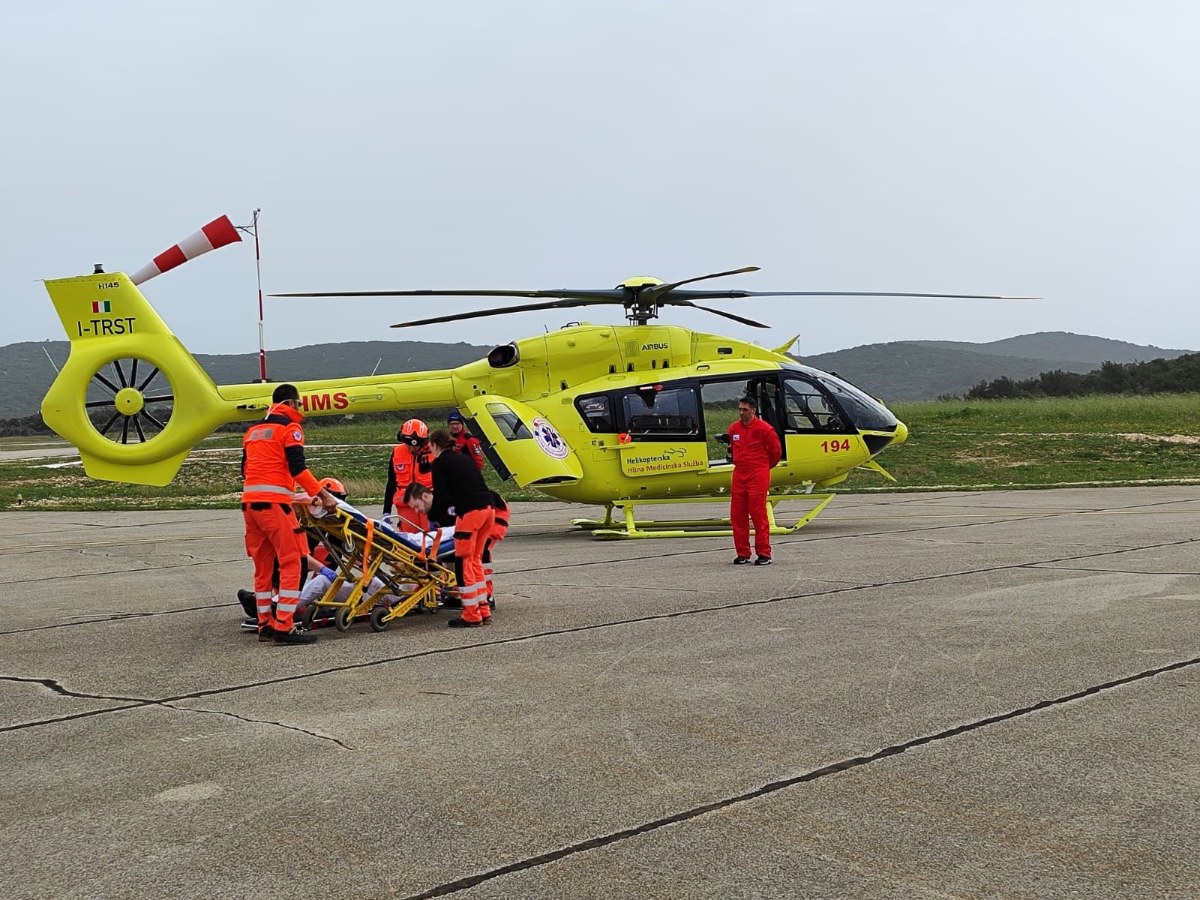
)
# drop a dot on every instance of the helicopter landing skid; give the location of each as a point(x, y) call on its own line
point(610, 529)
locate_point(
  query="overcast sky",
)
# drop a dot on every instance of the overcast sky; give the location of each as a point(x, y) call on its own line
point(1017, 147)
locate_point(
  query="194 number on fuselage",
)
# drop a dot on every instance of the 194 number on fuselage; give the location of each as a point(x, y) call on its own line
point(835, 445)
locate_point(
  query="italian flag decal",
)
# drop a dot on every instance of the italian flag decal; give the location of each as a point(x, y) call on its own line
point(99, 306)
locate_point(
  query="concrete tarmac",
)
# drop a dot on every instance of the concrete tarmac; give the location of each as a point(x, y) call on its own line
point(946, 695)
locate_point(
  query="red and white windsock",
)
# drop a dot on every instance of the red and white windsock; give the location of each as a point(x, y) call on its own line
point(216, 233)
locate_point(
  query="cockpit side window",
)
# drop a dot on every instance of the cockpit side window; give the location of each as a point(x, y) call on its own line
point(656, 414)
point(509, 422)
point(809, 410)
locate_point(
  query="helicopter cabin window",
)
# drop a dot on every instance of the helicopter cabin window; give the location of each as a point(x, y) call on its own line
point(508, 422)
point(597, 412)
point(656, 413)
point(809, 410)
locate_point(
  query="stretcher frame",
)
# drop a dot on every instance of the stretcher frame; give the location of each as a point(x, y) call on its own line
point(608, 529)
point(362, 552)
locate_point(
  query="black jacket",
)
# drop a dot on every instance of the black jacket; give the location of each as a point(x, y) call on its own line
point(457, 484)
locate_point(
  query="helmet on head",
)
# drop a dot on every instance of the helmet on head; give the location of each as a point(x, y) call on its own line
point(335, 487)
point(414, 432)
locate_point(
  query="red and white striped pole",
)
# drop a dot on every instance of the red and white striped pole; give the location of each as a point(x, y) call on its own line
point(262, 345)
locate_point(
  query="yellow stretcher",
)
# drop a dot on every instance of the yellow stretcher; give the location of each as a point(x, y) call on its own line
point(361, 550)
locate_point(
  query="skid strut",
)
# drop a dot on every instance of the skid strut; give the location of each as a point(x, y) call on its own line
point(610, 529)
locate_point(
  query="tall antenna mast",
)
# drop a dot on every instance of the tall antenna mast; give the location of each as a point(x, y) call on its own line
point(252, 229)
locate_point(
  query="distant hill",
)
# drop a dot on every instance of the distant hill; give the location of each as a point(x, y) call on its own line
point(1063, 345)
point(903, 370)
point(924, 370)
point(27, 374)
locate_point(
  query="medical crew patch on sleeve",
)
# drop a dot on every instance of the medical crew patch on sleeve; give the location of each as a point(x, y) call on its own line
point(297, 434)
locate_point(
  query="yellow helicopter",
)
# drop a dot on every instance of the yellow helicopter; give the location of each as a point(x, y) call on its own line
point(613, 415)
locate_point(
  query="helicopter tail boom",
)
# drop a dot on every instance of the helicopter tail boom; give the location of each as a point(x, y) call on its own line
point(127, 377)
point(134, 401)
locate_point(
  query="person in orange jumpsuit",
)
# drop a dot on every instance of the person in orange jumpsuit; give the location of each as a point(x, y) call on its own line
point(463, 440)
point(272, 465)
point(459, 490)
point(756, 450)
point(411, 463)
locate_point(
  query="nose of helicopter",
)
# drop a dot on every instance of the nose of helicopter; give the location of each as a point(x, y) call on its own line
point(901, 433)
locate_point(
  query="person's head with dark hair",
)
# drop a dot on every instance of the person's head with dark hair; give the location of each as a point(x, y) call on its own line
point(441, 440)
point(285, 392)
point(747, 409)
point(418, 497)
point(416, 491)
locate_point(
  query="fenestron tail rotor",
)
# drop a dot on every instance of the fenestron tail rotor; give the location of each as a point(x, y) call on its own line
point(129, 401)
point(642, 297)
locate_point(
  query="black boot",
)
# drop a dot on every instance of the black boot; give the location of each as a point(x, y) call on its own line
point(298, 635)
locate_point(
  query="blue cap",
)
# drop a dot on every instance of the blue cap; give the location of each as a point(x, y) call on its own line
point(455, 416)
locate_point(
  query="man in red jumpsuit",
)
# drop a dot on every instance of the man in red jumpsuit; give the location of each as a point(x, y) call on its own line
point(272, 465)
point(462, 438)
point(755, 448)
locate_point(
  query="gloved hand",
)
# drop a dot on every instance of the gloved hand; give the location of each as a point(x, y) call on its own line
point(328, 573)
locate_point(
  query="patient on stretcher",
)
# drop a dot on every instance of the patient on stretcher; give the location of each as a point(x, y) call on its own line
point(439, 544)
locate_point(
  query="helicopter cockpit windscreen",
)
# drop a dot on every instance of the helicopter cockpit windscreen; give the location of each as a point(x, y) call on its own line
point(865, 412)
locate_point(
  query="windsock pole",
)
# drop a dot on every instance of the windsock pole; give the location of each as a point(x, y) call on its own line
point(252, 228)
point(262, 344)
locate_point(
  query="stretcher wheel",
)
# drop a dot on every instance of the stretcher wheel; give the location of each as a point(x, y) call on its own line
point(306, 617)
point(377, 622)
point(341, 619)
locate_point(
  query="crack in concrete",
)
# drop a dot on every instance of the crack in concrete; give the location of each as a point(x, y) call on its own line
point(579, 629)
point(117, 617)
point(57, 687)
point(211, 562)
point(218, 712)
point(532, 862)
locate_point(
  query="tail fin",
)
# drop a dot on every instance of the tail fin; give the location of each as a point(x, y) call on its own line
point(130, 397)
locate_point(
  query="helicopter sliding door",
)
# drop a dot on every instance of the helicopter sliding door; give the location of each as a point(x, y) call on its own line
point(530, 448)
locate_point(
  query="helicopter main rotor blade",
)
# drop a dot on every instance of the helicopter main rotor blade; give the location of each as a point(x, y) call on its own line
point(659, 289)
point(671, 301)
point(739, 295)
point(560, 294)
point(504, 310)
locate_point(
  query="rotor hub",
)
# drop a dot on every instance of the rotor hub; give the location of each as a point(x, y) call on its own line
point(129, 401)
